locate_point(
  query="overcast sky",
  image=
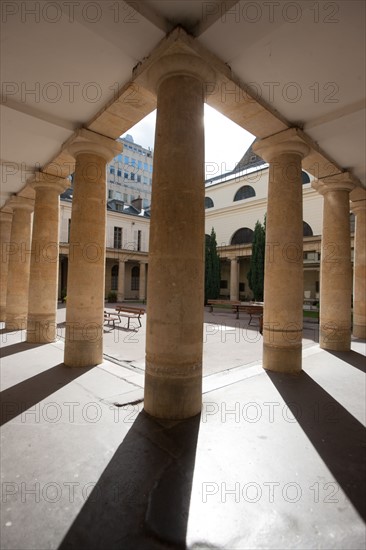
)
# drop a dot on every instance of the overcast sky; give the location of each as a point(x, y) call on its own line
point(225, 141)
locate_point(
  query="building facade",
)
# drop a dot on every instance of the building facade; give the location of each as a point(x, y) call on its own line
point(129, 174)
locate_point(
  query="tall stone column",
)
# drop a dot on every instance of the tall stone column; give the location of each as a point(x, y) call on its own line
point(43, 279)
point(358, 206)
point(86, 274)
point(283, 281)
point(335, 263)
point(5, 231)
point(173, 378)
point(121, 280)
point(234, 279)
point(142, 287)
point(19, 263)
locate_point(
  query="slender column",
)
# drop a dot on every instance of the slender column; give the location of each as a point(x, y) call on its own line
point(121, 280)
point(86, 275)
point(173, 378)
point(335, 263)
point(359, 269)
point(142, 288)
point(234, 279)
point(43, 279)
point(19, 264)
point(283, 282)
point(5, 231)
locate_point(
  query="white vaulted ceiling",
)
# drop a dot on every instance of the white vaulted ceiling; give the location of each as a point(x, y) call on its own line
point(63, 65)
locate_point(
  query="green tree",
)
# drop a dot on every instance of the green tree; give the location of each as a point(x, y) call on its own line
point(212, 268)
point(256, 272)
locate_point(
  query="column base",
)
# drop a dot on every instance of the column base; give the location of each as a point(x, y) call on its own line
point(83, 349)
point(286, 359)
point(41, 329)
point(13, 322)
point(172, 398)
point(359, 331)
point(333, 338)
point(2, 314)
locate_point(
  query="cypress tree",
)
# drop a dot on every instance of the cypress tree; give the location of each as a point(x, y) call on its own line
point(212, 268)
point(256, 271)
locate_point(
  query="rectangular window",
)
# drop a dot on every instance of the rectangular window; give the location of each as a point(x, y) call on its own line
point(241, 287)
point(150, 168)
point(119, 173)
point(138, 179)
point(139, 164)
point(146, 166)
point(110, 194)
point(111, 170)
point(125, 197)
point(125, 175)
point(117, 241)
point(133, 162)
point(126, 159)
point(146, 180)
point(139, 239)
point(132, 176)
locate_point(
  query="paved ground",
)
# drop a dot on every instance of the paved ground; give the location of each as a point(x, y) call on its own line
point(272, 462)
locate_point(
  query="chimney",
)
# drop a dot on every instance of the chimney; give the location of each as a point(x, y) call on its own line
point(137, 203)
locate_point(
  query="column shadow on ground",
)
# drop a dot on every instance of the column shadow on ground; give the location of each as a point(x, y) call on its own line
point(337, 436)
point(5, 351)
point(28, 393)
point(142, 498)
point(353, 358)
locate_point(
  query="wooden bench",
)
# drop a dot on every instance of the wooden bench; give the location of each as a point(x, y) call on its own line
point(111, 318)
point(212, 303)
point(131, 313)
point(251, 310)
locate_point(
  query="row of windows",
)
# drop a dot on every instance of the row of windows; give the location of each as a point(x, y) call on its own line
point(244, 235)
point(135, 278)
point(117, 238)
point(247, 192)
point(132, 176)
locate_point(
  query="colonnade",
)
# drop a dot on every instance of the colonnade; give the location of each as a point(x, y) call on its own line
point(173, 380)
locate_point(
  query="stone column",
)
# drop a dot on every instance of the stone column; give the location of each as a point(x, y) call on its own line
point(5, 231)
point(335, 263)
point(359, 265)
point(234, 279)
point(283, 283)
point(19, 263)
point(142, 287)
point(86, 274)
point(43, 280)
point(173, 378)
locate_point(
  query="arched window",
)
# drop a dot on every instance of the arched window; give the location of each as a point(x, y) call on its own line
point(209, 202)
point(244, 235)
point(114, 278)
point(244, 192)
point(304, 177)
point(306, 230)
point(135, 278)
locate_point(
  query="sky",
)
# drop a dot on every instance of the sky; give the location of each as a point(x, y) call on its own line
point(225, 141)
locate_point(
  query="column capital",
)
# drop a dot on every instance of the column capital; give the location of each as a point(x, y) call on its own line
point(288, 141)
point(42, 180)
point(358, 199)
point(21, 203)
point(337, 182)
point(85, 141)
point(178, 64)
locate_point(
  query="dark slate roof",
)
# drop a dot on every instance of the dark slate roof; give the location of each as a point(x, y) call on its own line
point(248, 160)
